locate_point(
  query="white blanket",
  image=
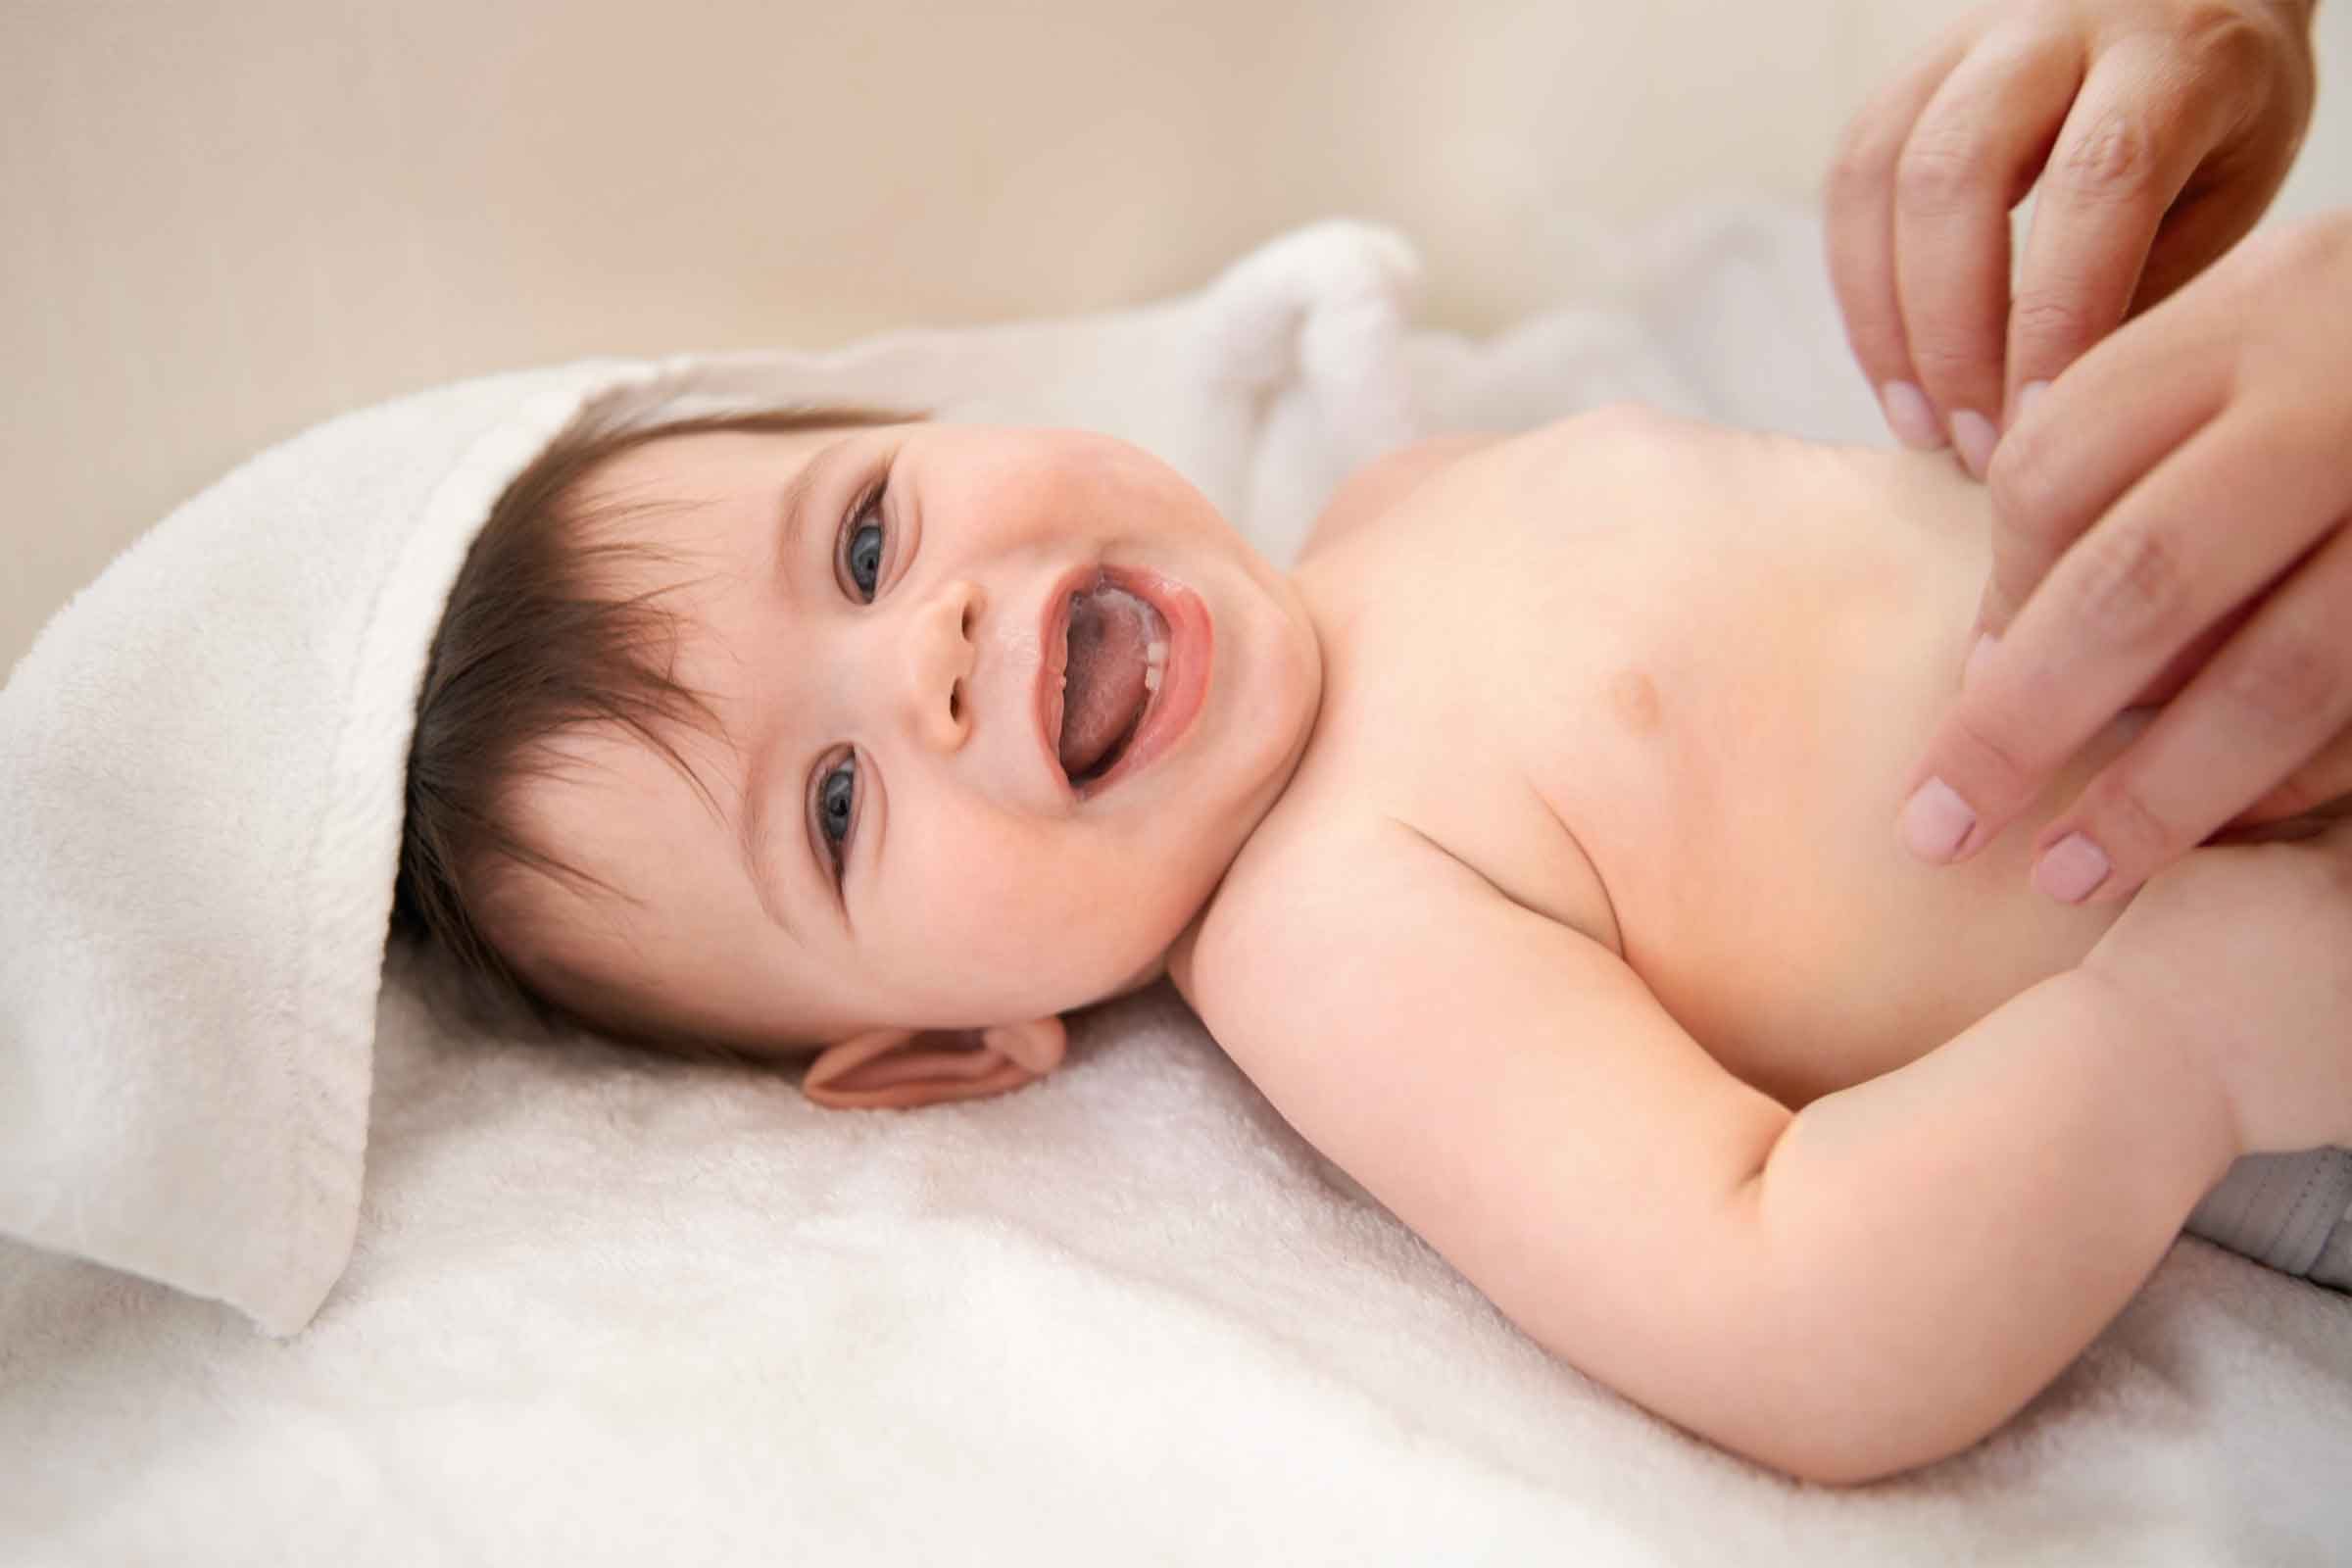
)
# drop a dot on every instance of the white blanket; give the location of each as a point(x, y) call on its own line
point(605, 1308)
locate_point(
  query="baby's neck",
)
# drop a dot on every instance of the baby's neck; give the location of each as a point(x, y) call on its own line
point(1176, 962)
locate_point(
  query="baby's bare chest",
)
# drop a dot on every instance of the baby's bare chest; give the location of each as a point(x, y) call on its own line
point(1689, 740)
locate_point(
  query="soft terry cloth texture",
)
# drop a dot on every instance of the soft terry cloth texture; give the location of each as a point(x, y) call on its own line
point(200, 802)
point(201, 760)
point(609, 1308)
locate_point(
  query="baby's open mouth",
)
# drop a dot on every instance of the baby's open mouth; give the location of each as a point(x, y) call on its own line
point(1117, 651)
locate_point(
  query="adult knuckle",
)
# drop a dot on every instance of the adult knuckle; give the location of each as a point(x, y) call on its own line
point(2116, 159)
point(1944, 358)
point(2055, 314)
point(2023, 478)
point(2131, 584)
point(1994, 765)
point(2223, 41)
point(2132, 832)
point(1937, 173)
point(1862, 161)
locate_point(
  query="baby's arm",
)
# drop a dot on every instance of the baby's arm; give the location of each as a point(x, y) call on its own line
point(1860, 1287)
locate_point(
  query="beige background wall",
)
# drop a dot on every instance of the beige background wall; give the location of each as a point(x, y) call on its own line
point(228, 219)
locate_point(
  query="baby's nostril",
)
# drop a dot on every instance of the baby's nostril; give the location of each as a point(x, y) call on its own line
point(967, 620)
point(956, 703)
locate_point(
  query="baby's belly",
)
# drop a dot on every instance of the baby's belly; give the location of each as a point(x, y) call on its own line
point(1749, 851)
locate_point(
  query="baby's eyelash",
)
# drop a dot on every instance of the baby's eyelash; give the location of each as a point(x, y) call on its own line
point(858, 557)
point(833, 804)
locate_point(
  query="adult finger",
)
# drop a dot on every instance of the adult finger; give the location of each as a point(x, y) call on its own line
point(2277, 695)
point(2205, 221)
point(2253, 77)
point(1972, 156)
point(2322, 784)
point(2134, 138)
point(2077, 445)
point(2146, 581)
point(1858, 229)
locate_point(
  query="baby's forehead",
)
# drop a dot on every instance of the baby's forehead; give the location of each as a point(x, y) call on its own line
point(699, 466)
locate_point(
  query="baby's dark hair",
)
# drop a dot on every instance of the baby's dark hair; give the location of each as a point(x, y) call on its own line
point(529, 650)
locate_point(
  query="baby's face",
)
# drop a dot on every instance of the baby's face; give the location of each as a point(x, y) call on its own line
point(998, 708)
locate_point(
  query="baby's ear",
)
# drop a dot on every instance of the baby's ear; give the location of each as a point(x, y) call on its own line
point(898, 1070)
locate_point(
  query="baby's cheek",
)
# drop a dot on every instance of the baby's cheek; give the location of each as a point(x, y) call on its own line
point(1066, 923)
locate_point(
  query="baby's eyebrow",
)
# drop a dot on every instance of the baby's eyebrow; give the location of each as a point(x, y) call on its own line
point(795, 507)
point(793, 504)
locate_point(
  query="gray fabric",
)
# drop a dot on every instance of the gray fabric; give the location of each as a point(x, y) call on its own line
point(2335, 1267)
point(2292, 1213)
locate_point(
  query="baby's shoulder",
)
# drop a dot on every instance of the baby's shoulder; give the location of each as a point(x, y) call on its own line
point(1288, 910)
point(1343, 878)
point(1375, 488)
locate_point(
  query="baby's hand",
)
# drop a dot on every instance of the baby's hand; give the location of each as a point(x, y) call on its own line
point(2241, 955)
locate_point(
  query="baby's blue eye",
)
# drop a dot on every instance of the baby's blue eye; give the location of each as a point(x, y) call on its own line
point(837, 802)
point(862, 548)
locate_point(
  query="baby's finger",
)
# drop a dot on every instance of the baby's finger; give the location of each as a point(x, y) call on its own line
point(2281, 692)
point(2143, 583)
point(2130, 143)
point(1858, 226)
point(2078, 444)
point(1975, 153)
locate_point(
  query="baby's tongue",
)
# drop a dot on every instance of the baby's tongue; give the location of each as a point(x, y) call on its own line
point(1103, 684)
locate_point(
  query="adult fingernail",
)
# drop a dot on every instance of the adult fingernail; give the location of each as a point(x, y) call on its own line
point(1935, 821)
point(1975, 436)
point(2025, 399)
point(2070, 869)
point(1975, 659)
point(1910, 417)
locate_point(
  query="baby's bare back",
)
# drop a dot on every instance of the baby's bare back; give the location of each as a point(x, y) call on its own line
point(1662, 684)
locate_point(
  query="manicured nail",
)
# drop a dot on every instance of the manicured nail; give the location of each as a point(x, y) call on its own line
point(2025, 399)
point(1975, 659)
point(1935, 822)
point(1910, 417)
point(2071, 869)
point(1975, 436)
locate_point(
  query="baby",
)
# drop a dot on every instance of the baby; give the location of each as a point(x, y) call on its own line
point(1525, 846)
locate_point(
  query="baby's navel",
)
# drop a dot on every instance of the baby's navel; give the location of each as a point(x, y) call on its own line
point(1634, 698)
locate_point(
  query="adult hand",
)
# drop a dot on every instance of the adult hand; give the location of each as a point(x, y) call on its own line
point(2176, 507)
point(2160, 130)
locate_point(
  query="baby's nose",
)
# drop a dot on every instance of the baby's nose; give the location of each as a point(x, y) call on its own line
point(939, 666)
